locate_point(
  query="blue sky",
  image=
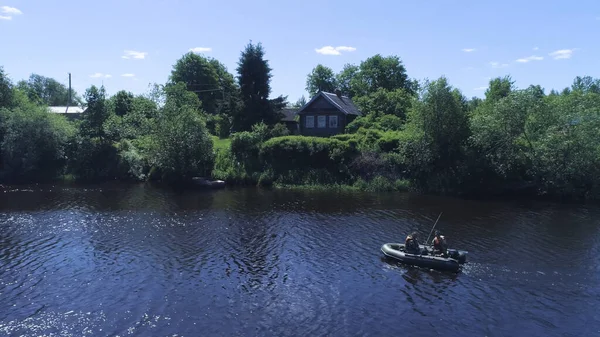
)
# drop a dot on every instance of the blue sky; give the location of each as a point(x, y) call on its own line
point(536, 42)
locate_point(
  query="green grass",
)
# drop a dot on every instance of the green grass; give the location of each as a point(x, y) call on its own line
point(221, 144)
point(377, 185)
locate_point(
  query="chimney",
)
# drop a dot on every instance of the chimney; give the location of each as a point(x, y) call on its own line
point(338, 92)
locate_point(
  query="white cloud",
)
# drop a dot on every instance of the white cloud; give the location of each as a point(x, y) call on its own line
point(132, 54)
point(10, 10)
point(100, 75)
point(2, 17)
point(536, 48)
point(468, 50)
point(128, 75)
point(345, 48)
point(562, 54)
point(201, 49)
point(498, 65)
point(329, 50)
point(480, 88)
point(530, 58)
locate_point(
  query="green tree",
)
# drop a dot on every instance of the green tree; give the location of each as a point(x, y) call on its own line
point(122, 102)
point(586, 84)
point(378, 72)
point(254, 77)
point(183, 147)
point(499, 88)
point(437, 133)
point(228, 101)
point(504, 132)
point(199, 75)
point(33, 144)
point(48, 91)
point(344, 79)
point(321, 78)
point(6, 90)
point(385, 102)
point(96, 114)
point(300, 102)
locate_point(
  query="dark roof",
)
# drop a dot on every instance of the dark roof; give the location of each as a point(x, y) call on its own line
point(343, 103)
point(288, 114)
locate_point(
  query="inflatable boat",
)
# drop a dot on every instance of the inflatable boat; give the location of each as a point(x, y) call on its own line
point(426, 260)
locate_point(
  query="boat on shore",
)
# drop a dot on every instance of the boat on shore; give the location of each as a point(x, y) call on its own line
point(206, 183)
point(426, 259)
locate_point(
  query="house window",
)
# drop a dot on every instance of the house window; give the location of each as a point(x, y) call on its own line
point(333, 122)
point(322, 121)
point(310, 121)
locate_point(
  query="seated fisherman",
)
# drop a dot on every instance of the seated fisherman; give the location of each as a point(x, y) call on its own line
point(411, 245)
point(440, 246)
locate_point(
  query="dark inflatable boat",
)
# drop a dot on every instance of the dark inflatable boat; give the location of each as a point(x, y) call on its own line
point(426, 259)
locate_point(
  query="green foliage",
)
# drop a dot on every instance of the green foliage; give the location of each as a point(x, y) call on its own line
point(122, 103)
point(199, 75)
point(344, 79)
point(383, 102)
point(6, 90)
point(426, 136)
point(219, 125)
point(132, 164)
point(379, 72)
point(300, 102)
point(374, 121)
point(96, 114)
point(33, 144)
point(183, 147)
point(48, 91)
point(279, 130)
point(254, 77)
point(436, 136)
point(294, 159)
point(321, 78)
point(499, 88)
point(92, 158)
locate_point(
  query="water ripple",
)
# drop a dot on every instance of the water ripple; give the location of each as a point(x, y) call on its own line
point(139, 260)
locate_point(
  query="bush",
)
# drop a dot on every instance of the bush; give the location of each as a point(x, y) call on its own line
point(307, 155)
point(33, 144)
point(92, 159)
point(131, 163)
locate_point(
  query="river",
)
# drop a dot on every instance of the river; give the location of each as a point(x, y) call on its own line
point(138, 260)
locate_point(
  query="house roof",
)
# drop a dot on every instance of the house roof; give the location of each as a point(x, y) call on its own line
point(343, 103)
point(63, 109)
point(288, 114)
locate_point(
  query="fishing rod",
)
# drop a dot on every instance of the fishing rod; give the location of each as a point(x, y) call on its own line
point(436, 221)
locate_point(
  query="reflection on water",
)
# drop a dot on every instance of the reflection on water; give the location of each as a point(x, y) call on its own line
point(119, 260)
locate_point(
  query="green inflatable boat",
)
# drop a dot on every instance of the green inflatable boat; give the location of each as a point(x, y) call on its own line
point(425, 259)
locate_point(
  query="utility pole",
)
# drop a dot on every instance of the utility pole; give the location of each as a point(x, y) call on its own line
point(69, 101)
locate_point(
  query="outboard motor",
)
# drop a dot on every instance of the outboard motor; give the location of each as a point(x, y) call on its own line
point(459, 255)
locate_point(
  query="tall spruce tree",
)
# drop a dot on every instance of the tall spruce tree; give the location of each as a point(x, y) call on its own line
point(254, 77)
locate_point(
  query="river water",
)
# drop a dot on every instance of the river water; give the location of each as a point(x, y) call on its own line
point(137, 260)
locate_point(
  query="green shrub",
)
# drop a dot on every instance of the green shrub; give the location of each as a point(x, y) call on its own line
point(307, 155)
point(33, 144)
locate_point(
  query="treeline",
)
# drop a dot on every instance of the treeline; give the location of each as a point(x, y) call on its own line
point(422, 135)
point(162, 135)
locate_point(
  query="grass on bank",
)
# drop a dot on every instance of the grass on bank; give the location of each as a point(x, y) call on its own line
point(221, 143)
point(378, 184)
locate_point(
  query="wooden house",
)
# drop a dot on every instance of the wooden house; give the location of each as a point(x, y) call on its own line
point(327, 114)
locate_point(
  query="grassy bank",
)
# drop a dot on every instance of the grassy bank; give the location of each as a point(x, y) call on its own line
point(220, 144)
point(377, 185)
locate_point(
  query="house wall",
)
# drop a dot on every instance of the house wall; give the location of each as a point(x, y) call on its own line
point(322, 107)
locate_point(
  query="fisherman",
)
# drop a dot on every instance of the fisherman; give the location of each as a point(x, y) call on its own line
point(440, 247)
point(411, 245)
